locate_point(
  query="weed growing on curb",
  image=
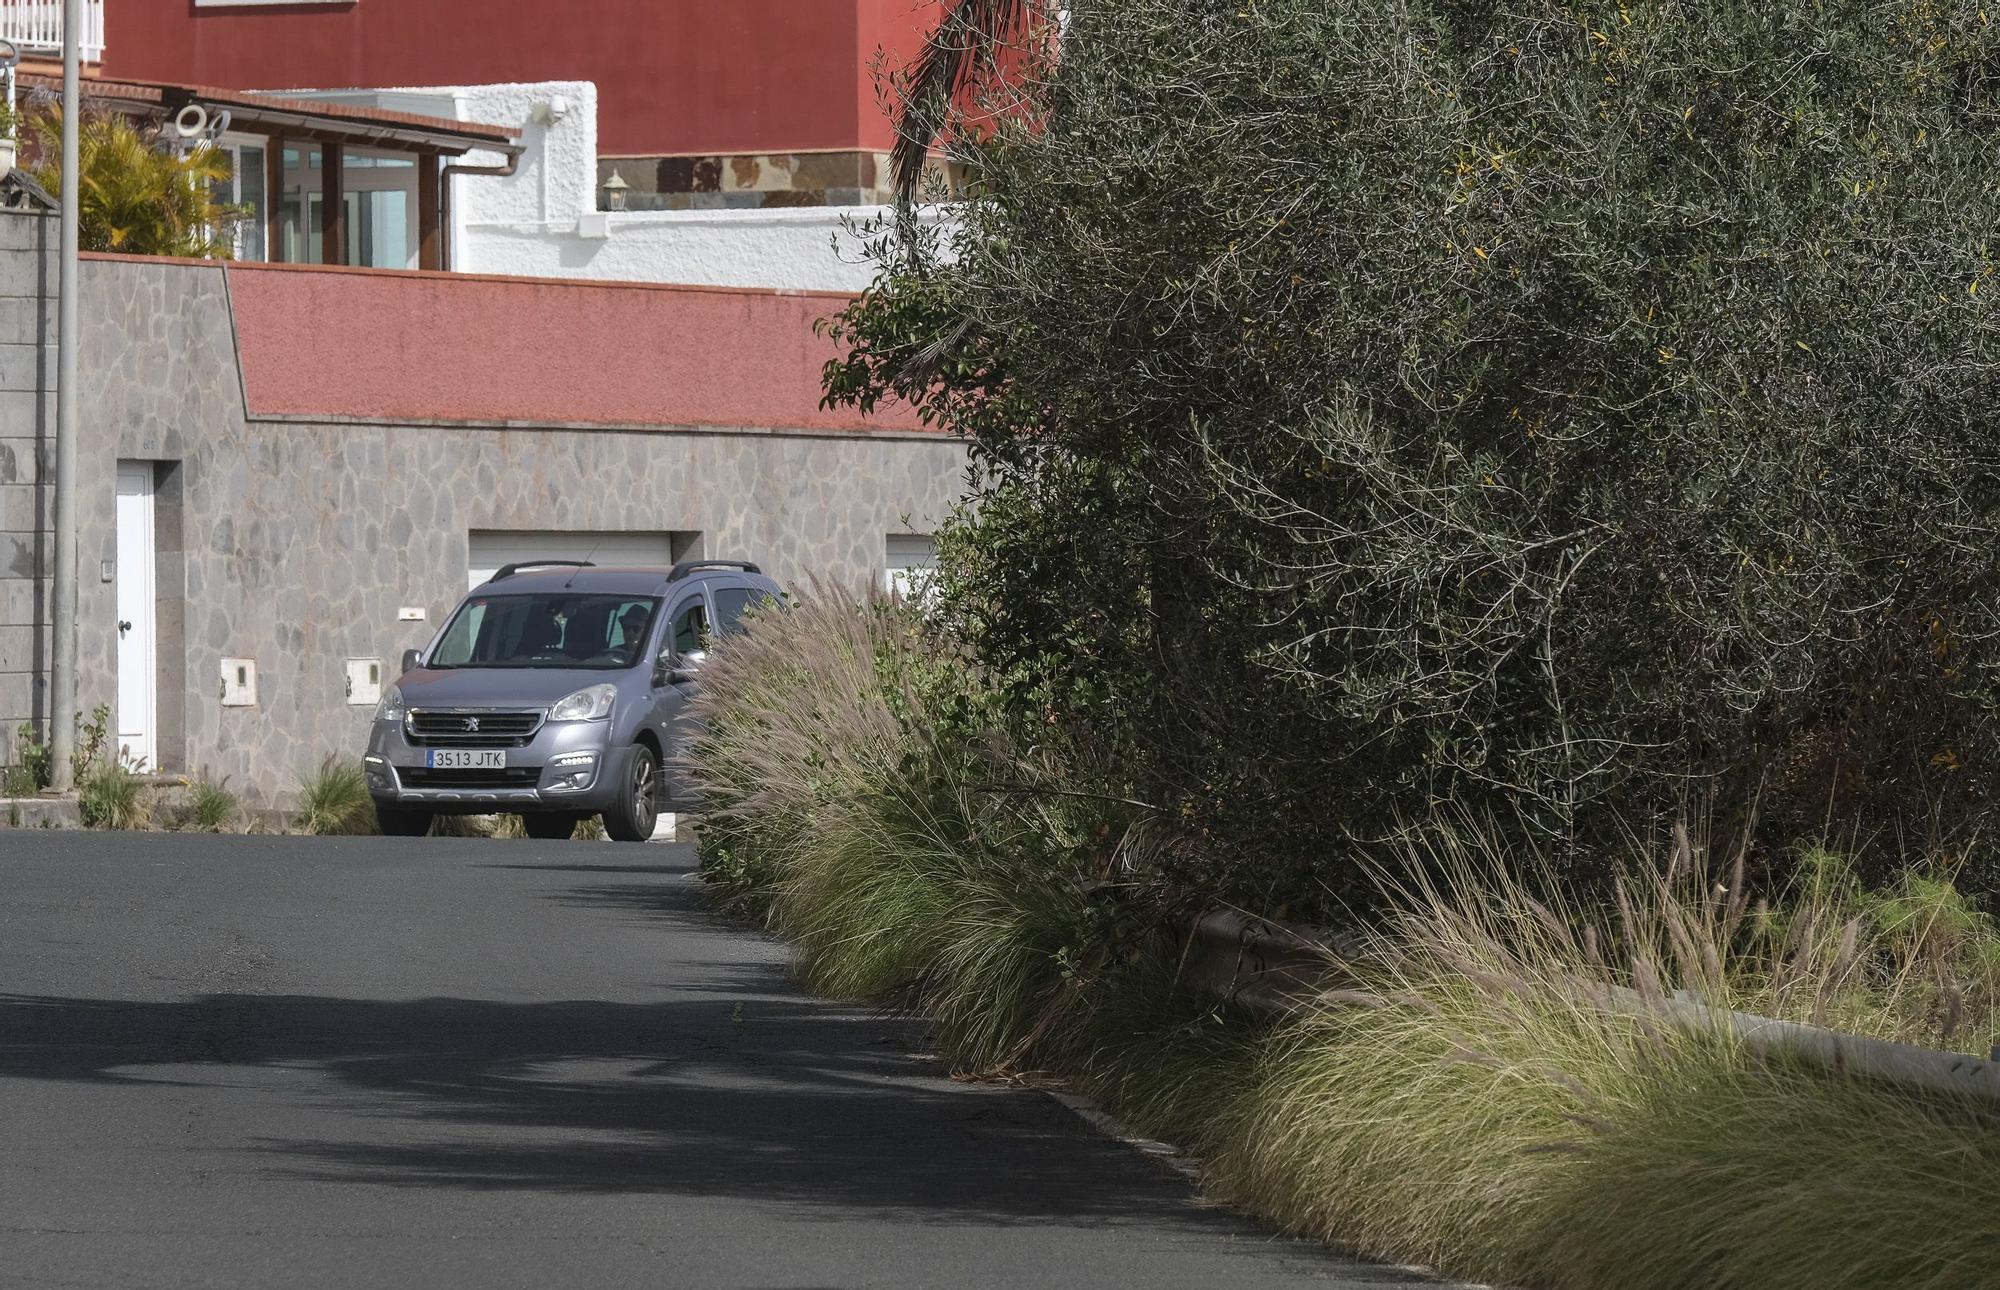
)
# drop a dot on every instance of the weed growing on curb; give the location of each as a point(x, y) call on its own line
point(334, 801)
point(29, 773)
point(211, 807)
point(112, 796)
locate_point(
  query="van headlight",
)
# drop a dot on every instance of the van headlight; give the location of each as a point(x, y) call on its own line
point(390, 707)
point(592, 704)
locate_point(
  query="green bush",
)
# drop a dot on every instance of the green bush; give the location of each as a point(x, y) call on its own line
point(1556, 411)
point(334, 801)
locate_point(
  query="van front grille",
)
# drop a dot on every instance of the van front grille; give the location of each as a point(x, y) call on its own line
point(487, 728)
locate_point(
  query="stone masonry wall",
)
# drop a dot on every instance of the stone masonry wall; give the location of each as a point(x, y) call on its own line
point(27, 430)
point(299, 541)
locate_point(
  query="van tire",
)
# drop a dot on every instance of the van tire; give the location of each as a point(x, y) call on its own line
point(633, 814)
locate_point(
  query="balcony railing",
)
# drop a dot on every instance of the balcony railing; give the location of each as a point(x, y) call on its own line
point(36, 27)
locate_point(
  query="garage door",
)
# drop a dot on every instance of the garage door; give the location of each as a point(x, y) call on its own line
point(491, 548)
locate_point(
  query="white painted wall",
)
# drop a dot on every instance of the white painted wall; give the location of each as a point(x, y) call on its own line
point(543, 220)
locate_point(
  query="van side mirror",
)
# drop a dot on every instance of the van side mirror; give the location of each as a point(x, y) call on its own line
point(412, 658)
point(677, 668)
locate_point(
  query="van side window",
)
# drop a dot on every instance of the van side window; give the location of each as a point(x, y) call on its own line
point(691, 627)
point(730, 605)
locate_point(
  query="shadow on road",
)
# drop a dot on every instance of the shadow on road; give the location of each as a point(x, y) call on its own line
point(729, 1084)
point(793, 1103)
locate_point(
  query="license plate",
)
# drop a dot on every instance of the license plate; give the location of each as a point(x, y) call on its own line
point(468, 759)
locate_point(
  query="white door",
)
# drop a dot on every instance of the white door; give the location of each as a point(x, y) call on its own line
point(137, 663)
point(488, 549)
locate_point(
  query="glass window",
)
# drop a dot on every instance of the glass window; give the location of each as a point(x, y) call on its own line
point(691, 627)
point(243, 192)
point(554, 629)
point(298, 209)
point(378, 207)
point(731, 603)
point(378, 229)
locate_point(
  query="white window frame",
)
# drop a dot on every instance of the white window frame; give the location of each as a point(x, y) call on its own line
point(236, 145)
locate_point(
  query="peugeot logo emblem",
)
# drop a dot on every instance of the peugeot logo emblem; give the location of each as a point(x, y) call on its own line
point(472, 723)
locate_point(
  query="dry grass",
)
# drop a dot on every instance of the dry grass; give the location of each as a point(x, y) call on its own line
point(334, 801)
point(111, 795)
point(1485, 1106)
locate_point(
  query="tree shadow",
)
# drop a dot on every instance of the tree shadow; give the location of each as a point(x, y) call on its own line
point(767, 1100)
point(720, 1081)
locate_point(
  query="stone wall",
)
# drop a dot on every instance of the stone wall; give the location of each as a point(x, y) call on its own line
point(297, 542)
point(27, 436)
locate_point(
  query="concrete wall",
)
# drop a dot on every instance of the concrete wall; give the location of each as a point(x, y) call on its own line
point(27, 428)
point(397, 345)
point(678, 76)
point(296, 540)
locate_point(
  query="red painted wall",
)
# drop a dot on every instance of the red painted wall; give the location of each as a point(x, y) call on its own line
point(673, 76)
point(323, 342)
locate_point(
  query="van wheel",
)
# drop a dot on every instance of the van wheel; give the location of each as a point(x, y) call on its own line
point(555, 825)
point(631, 818)
point(402, 822)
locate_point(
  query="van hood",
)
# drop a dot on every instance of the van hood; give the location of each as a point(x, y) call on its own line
point(499, 687)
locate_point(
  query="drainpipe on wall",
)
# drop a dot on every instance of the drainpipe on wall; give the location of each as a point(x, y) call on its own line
point(62, 589)
point(505, 170)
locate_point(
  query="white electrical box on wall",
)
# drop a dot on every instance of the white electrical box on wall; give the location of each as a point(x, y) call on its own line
point(364, 681)
point(239, 683)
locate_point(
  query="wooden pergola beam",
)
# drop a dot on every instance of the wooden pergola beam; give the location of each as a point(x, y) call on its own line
point(274, 198)
point(332, 203)
point(430, 234)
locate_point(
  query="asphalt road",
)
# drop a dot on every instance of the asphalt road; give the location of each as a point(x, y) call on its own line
point(371, 1062)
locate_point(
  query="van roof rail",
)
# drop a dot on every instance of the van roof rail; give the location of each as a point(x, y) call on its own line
point(686, 567)
point(509, 570)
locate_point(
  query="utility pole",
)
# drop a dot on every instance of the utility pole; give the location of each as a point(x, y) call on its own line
point(62, 592)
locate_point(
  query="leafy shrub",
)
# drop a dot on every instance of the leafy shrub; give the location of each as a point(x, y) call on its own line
point(1552, 411)
point(92, 735)
point(334, 800)
point(139, 197)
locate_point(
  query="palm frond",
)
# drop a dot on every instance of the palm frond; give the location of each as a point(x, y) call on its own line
point(962, 46)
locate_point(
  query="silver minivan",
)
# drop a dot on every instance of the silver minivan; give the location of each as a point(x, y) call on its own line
point(556, 690)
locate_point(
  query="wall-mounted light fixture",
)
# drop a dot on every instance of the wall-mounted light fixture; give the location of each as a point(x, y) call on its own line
point(615, 189)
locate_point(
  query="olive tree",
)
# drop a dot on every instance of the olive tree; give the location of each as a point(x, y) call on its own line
point(1563, 412)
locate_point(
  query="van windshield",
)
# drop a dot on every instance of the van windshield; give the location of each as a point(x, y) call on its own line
point(557, 629)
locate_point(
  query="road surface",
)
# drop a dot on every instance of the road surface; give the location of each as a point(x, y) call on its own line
point(373, 1062)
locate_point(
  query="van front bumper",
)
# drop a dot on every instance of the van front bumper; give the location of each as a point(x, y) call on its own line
point(566, 766)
